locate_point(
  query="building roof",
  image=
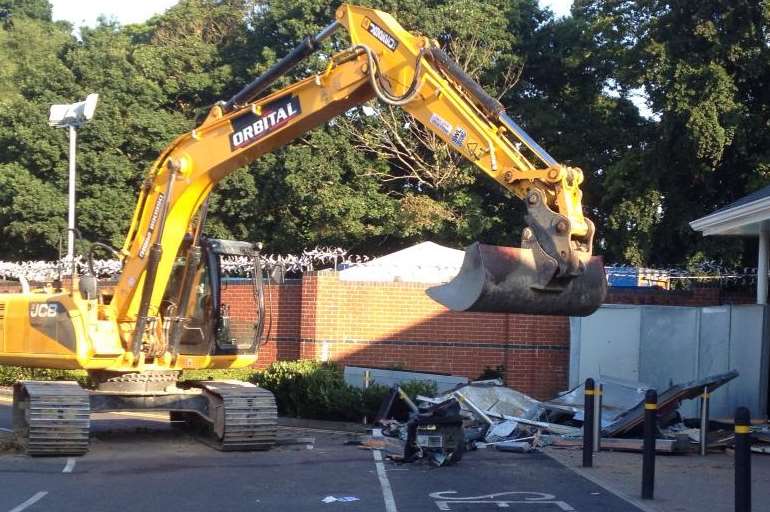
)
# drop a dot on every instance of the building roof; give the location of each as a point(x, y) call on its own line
point(426, 262)
point(745, 217)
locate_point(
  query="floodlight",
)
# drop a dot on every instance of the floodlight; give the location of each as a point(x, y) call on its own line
point(72, 117)
point(74, 114)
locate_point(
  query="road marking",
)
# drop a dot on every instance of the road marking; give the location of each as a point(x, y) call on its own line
point(443, 501)
point(5, 429)
point(387, 491)
point(69, 466)
point(34, 499)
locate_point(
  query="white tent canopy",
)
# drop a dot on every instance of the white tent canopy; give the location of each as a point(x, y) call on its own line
point(426, 262)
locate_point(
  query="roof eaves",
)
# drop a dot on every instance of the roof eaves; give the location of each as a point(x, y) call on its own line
point(730, 218)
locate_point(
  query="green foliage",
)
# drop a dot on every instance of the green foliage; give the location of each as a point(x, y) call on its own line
point(309, 389)
point(704, 67)
point(11, 374)
point(419, 387)
point(305, 389)
point(245, 374)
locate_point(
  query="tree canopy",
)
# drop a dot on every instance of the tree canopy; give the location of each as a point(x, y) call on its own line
point(703, 68)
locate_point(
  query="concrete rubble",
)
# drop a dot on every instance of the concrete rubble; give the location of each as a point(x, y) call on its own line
point(487, 414)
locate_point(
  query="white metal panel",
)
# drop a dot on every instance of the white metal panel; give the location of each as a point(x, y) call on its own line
point(609, 343)
point(749, 355)
point(669, 348)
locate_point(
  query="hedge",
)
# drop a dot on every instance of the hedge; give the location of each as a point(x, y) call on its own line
point(306, 389)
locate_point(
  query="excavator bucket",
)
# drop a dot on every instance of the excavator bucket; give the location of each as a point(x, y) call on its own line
point(496, 279)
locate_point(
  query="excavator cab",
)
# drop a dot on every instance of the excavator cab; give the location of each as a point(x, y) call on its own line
point(215, 319)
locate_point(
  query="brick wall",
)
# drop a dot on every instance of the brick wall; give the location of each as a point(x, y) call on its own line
point(282, 317)
point(397, 325)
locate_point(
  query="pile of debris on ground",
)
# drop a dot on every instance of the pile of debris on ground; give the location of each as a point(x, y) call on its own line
point(485, 414)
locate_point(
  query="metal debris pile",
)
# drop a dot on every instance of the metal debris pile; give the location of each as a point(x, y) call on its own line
point(486, 414)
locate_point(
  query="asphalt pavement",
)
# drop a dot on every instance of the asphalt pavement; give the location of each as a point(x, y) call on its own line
point(137, 462)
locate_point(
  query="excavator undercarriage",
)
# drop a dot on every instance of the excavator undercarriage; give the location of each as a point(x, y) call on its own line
point(53, 418)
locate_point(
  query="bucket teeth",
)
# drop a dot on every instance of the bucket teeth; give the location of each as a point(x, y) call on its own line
point(496, 279)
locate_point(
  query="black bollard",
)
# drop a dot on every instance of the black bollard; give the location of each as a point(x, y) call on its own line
point(742, 460)
point(648, 448)
point(588, 424)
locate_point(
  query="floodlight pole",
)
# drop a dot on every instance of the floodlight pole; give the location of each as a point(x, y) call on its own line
point(71, 211)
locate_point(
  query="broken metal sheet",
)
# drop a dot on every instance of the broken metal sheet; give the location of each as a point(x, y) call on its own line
point(469, 404)
point(500, 431)
point(668, 402)
point(515, 447)
point(618, 396)
point(492, 397)
point(565, 430)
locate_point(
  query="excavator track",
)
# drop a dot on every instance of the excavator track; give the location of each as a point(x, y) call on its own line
point(243, 416)
point(51, 418)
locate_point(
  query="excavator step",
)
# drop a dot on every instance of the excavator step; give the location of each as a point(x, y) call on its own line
point(51, 418)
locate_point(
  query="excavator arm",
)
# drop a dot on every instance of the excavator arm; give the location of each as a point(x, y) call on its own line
point(553, 272)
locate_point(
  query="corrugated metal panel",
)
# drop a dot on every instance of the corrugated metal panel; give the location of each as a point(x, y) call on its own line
point(663, 344)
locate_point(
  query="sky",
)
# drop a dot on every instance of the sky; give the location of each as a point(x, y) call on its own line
point(85, 12)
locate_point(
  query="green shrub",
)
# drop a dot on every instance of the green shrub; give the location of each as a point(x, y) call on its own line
point(11, 374)
point(246, 374)
point(310, 389)
point(306, 389)
point(419, 387)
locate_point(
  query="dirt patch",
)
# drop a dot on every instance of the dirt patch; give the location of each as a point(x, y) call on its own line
point(8, 443)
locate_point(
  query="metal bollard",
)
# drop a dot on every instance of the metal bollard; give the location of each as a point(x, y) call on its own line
point(648, 447)
point(742, 460)
point(367, 382)
point(598, 397)
point(588, 424)
point(704, 421)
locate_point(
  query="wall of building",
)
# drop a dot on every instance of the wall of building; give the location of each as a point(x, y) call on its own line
point(396, 325)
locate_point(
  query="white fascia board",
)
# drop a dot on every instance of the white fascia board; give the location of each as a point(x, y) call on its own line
point(722, 222)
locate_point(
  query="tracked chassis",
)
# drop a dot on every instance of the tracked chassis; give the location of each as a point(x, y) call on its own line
point(53, 418)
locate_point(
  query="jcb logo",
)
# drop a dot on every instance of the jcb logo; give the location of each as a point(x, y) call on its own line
point(43, 310)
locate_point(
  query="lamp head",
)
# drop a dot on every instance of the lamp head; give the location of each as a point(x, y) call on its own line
point(74, 114)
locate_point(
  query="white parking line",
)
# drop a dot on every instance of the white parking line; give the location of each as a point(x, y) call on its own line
point(34, 499)
point(5, 429)
point(387, 491)
point(69, 466)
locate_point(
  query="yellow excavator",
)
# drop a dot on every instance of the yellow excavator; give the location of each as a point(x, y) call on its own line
point(167, 314)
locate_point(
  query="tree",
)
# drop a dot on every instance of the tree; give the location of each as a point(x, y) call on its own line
point(704, 67)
